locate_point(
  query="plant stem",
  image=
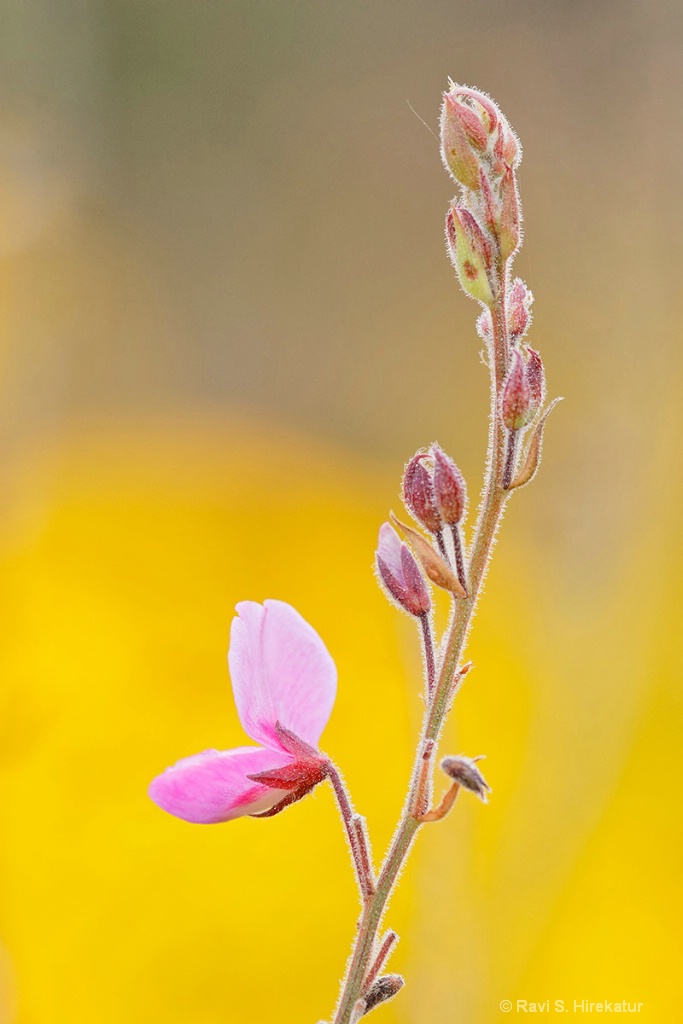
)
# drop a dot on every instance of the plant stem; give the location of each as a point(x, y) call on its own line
point(491, 507)
point(459, 559)
point(428, 646)
point(356, 834)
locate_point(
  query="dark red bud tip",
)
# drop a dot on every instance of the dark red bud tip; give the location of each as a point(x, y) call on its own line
point(383, 989)
point(294, 776)
point(517, 405)
point(418, 494)
point(449, 487)
point(464, 771)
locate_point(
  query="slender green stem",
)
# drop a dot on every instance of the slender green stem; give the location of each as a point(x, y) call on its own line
point(493, 501)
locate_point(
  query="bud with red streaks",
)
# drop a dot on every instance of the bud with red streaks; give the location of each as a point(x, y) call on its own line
point(400, 574)
point(450, 489)
point(470, 253)
point(458, 127)
point(418, 494)
point(517, 403)
point(518, 310)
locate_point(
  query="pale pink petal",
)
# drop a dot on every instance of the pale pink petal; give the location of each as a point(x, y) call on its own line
point(213, 786)
point(281, 672)
point(389, 550)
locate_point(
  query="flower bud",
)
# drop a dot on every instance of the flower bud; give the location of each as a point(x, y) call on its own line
point(470, 253)
point(535, 375)
point(456, 149)
point(418, 494)
point(464, 771)
point(517, 404)
point(384, 988)
point(400, 574)
point(436, 568)
point(449, 487)
point(518, 310)
point(509, 229)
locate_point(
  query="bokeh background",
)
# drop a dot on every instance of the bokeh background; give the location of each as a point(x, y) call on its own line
point(226, 321)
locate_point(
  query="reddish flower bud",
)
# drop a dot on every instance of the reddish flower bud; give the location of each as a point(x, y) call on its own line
point(518, 310)
point(400, 574)
point(483, 104)
point(449, 487)
point(509, 227)
point(418, 494)
point(464, 771)
point(535, 375)
point(456, 149)
point(517, 404)
point(470, 253)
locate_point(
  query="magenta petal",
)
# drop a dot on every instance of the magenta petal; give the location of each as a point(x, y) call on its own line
point(213, 786)
point(281, 672)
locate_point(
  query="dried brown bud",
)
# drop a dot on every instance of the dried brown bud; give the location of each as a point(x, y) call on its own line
point(449, 487)
point(464, 771)
point(400, 574)
point(437, 570)
point(418, 494)
point(517, 406)
point(383, 989)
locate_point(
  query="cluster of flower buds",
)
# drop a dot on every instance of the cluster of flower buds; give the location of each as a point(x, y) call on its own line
point(435, 494)
point(484, 225)
point(483, 232)
point(434, 490)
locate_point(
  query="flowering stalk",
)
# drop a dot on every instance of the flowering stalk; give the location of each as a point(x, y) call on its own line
point(483, 231)
point(283, 678)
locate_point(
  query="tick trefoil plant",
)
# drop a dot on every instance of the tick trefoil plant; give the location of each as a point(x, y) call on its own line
point(283, 678)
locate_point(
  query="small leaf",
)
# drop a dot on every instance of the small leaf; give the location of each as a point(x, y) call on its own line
point(438, 571)
point(534, 452)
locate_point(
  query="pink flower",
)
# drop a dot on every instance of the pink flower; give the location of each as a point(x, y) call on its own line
point(285, 683)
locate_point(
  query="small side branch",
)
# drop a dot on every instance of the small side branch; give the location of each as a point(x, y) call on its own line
point(510, 458)
point(428, 648)
point(459, 557)
point(385, 950)
point(439, 812)
point(356, 833)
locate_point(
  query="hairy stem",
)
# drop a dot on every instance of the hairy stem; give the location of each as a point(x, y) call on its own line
point(491, 507)
point(356, 834)
point(428, 647)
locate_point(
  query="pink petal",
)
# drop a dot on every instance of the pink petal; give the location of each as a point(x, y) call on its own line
point(389, 550)
point(212, 786)
point(281, 672)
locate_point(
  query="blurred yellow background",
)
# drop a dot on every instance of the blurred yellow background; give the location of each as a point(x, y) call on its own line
point(227, 320)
